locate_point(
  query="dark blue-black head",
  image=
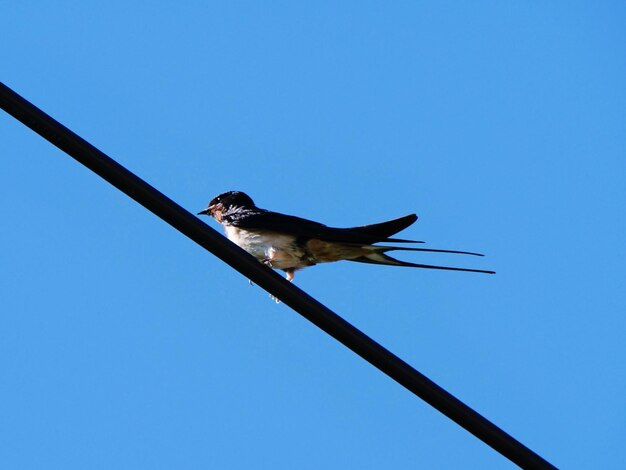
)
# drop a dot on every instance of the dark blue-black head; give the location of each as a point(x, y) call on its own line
point(226, 201)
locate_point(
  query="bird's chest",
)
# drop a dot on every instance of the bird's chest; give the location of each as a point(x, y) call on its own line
point(281, 251)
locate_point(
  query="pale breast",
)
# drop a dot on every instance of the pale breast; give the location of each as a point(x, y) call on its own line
point(280, 250)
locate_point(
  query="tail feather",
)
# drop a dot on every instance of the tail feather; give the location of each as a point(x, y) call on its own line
point(378, 257)
point(384, 249)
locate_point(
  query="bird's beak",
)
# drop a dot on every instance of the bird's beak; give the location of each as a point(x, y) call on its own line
point(207, 211)
point(212, 209)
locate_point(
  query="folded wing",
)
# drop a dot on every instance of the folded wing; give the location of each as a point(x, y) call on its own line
point(307, 229)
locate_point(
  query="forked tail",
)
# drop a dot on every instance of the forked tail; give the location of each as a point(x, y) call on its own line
point(378, 256)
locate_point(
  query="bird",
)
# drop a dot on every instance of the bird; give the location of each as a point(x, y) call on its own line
point(291, 243)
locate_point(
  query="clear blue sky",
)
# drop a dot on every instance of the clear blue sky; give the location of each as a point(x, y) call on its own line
point(501, 124)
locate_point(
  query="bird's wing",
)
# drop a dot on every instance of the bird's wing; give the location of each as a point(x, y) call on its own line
point(275, 222)
point(308, 229)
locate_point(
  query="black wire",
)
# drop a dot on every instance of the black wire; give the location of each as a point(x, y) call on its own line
point(301, 302)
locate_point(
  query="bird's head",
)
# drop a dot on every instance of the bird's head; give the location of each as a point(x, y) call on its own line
point(226, 201)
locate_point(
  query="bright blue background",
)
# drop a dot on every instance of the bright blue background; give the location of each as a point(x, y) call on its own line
point(502, 124)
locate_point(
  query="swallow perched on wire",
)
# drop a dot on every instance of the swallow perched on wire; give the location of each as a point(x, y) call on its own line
point(291, 243)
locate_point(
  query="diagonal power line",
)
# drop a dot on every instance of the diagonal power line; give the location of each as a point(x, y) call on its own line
point(301, 302)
